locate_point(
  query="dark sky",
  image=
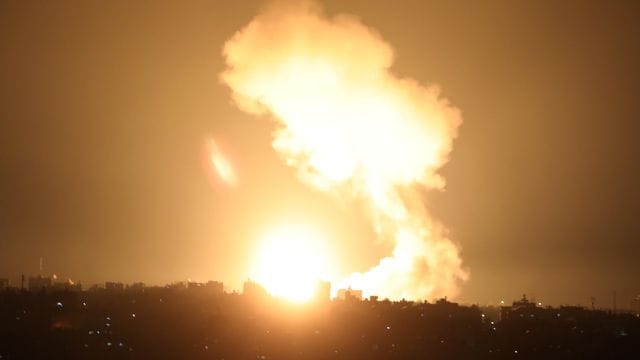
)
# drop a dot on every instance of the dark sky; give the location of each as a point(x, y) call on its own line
point(105, 107)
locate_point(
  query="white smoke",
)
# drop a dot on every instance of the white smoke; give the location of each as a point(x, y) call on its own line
point(349, 125)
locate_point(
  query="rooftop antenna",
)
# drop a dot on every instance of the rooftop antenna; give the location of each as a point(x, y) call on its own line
point(615, 300)
point(41, 265)
point(593, 303)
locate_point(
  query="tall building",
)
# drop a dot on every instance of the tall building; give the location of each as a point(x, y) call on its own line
point(323, 291)
point(4, 283)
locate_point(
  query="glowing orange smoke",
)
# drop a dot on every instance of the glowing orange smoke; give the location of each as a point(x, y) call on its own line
point(349, 125)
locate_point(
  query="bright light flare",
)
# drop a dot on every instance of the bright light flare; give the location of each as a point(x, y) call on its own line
point(289, 263)
point(221, 163)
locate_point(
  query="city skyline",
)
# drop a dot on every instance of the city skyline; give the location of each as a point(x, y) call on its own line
point(54, 283)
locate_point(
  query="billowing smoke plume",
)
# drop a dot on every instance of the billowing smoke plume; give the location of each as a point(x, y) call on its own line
point(349, 125)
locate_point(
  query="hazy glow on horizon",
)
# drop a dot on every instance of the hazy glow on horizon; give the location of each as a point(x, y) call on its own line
point(354, 129)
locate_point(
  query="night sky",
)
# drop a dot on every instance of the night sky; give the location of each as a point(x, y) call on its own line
point(105, 108)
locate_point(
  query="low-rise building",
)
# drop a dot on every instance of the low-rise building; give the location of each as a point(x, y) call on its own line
point(39, 283)
point(113, 286)
point(350, 294)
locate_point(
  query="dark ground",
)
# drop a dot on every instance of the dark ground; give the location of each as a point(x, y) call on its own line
point(170, 323)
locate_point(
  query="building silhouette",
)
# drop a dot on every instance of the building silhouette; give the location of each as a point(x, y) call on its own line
point(68, 285)
point(136, 286)
point(38, 283)
point(349, 294)
point(253, 290)
point(113, 286)
point(214, 288)
point(323, 292)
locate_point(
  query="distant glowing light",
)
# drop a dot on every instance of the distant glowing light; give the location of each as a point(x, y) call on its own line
point(289, 263)
point(221, 163)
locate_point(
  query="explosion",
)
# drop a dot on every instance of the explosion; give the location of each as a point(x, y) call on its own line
point(350, 126)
